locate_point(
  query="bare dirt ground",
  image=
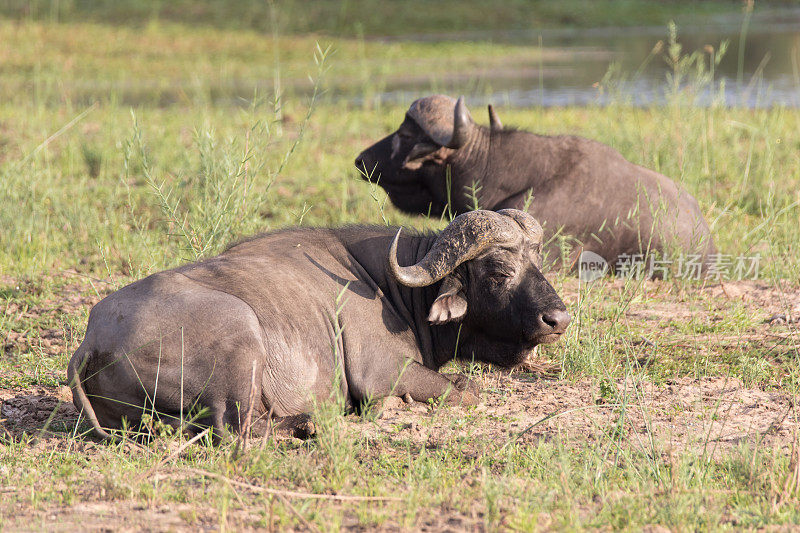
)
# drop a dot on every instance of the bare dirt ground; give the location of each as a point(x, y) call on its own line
point(717, 414)
point(712, 415)
point(686, 413)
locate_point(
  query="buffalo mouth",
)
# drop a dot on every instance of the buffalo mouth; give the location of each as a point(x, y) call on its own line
point(513, 351)
point(542, 335)
point(527, 340)
point(546, 338)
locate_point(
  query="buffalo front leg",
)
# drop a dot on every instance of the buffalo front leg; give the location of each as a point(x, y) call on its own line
point(423, 384)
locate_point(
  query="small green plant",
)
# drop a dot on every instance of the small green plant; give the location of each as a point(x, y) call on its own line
point(473, 192)
point(93, 157)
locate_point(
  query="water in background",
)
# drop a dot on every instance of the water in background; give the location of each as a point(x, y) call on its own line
point(582, 65)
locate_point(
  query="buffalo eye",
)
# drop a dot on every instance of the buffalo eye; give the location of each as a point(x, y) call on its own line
point(499, 272)
point(404, 135)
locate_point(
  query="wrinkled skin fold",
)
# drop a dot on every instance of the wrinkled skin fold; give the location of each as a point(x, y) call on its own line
point(579, 189)
point(312, 309)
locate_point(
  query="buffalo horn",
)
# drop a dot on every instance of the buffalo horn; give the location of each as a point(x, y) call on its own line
point(494, 120)
point(462, 125)
point(467, 236)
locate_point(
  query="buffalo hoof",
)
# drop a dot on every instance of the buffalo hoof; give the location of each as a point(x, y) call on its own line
point(462, 382)
point(464, 398)
point(466, 390)
point(298, 426)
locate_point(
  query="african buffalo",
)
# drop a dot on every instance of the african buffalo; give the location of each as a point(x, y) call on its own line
point(299, 307)
point(580, 188)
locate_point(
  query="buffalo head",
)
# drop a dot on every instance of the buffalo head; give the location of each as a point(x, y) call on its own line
point(489, 267)
point(411, 164)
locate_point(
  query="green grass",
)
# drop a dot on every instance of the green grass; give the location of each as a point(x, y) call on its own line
point(371, 17)
point(159, 65)
point(128, 149)
point(62, 216)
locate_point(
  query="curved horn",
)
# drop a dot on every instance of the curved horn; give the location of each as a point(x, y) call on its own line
point(411, 276)
point(462, 125)
point(494, 120)
point(467, 236)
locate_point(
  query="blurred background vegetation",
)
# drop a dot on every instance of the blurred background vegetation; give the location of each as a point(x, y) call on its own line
point(137, 135)
point(126, 127)
point(351, 18)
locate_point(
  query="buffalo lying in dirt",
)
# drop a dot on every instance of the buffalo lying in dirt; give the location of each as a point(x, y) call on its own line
point(576, 187)
point(300, 307)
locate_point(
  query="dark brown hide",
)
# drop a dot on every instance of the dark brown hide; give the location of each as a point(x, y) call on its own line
point(581, 189)
point(313, 309)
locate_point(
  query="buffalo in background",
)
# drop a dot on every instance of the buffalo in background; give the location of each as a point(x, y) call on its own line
point(576, 187)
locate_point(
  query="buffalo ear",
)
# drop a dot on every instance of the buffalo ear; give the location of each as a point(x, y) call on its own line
point(450, 305)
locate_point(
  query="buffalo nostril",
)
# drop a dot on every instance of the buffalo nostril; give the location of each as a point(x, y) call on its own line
point(557, 319)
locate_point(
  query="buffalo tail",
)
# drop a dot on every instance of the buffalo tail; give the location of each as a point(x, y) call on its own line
point(75, 370)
